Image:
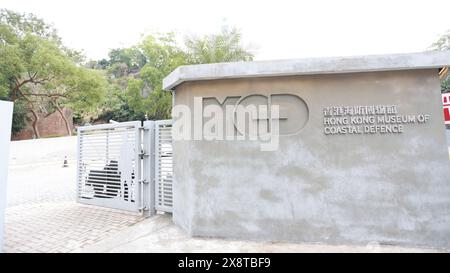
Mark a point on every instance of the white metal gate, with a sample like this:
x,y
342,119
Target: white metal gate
x,y
109,165
163,165
126,166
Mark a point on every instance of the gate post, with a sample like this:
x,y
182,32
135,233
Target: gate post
x,y
148,174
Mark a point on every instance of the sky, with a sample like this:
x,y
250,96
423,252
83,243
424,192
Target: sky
x,y
277,29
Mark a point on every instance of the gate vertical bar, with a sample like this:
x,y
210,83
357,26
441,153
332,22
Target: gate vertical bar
x,y
78,190
137,187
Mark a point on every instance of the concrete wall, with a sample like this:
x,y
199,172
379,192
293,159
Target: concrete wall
x,y
389,188
6,109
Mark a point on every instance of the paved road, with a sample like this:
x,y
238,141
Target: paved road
x,y
41,214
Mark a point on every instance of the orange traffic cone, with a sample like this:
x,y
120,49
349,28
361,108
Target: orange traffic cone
x,y
65,164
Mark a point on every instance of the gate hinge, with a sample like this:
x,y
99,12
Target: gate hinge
x,y
143,181
142,154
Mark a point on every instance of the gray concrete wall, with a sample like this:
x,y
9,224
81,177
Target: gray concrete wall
x,y
392,188
6,109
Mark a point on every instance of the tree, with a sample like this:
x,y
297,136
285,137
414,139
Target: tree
x,y
14,25
36,70
163,56
223,47
132,57
66,91
27,64
137,72
443,43
137,75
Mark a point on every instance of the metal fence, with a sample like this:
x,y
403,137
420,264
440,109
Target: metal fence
x,y
126,166
163,165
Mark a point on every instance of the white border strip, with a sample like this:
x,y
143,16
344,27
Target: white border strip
x,y
6,110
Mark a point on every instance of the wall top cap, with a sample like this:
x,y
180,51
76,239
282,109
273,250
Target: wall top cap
x,y
309,66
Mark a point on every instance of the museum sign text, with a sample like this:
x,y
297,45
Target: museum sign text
x,y
369,119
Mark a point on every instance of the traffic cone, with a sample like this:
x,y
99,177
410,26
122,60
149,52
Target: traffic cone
x,y
65,164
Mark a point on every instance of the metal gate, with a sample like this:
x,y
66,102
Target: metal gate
x,y
163,165
109,165
126,166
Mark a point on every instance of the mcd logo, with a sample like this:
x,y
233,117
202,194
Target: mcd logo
x,y
255,117
256,114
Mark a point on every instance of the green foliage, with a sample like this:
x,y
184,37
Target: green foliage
x,y
14,25
445,85
163,56
133,95
443,43
19,117
137,72
115,106
132,57
223,47
123,61
37,71
84,89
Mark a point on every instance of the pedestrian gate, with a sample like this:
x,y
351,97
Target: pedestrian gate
x,y
126,166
